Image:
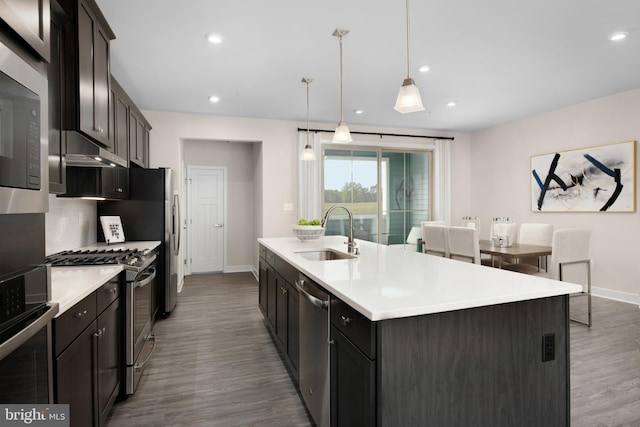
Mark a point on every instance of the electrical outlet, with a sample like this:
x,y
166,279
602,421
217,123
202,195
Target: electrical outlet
x,y
548,347
288,206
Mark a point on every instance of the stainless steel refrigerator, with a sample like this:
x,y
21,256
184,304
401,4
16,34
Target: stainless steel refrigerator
x,y
152,213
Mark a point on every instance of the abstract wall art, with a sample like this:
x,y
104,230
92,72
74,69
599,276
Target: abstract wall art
x,y
593,179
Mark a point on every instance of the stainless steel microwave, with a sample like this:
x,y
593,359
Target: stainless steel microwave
x,y
24,179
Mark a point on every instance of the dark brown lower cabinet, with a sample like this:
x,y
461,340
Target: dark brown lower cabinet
x,y
88,365
262,284
109,352
74,379
278,301
293,340
353,387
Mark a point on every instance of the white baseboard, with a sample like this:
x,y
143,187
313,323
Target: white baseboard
x,y
616,295
238,269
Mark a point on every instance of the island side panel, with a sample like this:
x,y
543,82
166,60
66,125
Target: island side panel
x,y
480,367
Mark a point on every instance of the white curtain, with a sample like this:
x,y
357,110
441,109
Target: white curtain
x,y
442,181
309,185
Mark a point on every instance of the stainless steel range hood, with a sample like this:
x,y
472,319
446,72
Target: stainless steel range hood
x,y
81,151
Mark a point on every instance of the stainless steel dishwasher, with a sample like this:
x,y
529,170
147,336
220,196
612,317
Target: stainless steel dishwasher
x,y
314,350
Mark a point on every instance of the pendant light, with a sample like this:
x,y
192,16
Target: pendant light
x,y
342,134
307,153
408,100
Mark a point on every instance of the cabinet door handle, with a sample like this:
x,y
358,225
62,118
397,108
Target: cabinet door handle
x,y
284,291
345,320
112,290
80,314
98,129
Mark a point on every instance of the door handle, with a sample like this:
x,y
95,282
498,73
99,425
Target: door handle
x,y
217,225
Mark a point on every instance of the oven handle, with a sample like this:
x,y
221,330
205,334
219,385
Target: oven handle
x,y
144,282
150,337
27,333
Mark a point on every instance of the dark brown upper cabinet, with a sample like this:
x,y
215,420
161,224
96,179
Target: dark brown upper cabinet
x,y
138,138
120,112
29,20
89,82
56,74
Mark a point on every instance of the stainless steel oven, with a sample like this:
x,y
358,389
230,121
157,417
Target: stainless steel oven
x,y
140,342
23,136
25,337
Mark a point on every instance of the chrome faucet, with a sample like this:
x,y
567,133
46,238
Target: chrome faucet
x,y
351,243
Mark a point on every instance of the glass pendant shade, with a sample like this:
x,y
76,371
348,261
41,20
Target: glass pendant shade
x,y
308,154
409,100
342,134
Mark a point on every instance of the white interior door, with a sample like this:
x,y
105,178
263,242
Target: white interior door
x,y
207,218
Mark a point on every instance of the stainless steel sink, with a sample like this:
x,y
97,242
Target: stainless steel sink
x,y
324,255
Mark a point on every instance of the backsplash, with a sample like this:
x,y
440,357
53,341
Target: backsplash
x,y
69,224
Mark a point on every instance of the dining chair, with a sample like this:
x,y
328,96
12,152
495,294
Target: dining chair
x,y
569,262
535,234
435,239
464,245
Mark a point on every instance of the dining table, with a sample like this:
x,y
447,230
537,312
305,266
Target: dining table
x,y
513,252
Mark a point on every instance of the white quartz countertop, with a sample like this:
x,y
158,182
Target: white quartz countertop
x,y
386,282
69,285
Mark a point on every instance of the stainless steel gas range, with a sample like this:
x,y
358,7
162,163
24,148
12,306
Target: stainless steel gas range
x,y
140,276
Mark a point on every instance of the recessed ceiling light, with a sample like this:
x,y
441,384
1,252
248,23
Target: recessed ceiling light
x,y
214,38
424,68
452,104
358,111
619,36
214,99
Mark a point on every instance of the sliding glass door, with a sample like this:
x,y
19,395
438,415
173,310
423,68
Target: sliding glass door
x,y
405,185
387,191
351,179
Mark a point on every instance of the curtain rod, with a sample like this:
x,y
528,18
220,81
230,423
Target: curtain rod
x,y
450,138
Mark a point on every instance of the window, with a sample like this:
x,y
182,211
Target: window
x,y
387,191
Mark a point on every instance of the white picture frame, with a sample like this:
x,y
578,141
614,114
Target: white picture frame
x,y
112,229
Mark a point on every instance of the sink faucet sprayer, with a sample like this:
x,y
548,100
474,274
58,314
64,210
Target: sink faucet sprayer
x,y
351,243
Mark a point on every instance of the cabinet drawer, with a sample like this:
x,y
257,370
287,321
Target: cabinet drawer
x,y
270,257
286,270
357,328
73,321
108,293
262,251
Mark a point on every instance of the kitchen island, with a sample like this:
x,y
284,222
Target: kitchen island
x,y
422,340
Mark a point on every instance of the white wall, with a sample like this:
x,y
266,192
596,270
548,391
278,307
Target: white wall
x,y
69,224
500,181
238,158
276,159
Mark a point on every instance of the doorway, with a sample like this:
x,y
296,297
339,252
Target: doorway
x,y
241,160
207,218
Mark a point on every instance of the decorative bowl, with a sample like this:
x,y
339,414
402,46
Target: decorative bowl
x,y
308,232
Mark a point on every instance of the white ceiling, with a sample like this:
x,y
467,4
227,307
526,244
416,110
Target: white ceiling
x,y
501,60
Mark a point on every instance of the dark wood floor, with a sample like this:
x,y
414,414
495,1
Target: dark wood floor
x,y
215,364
